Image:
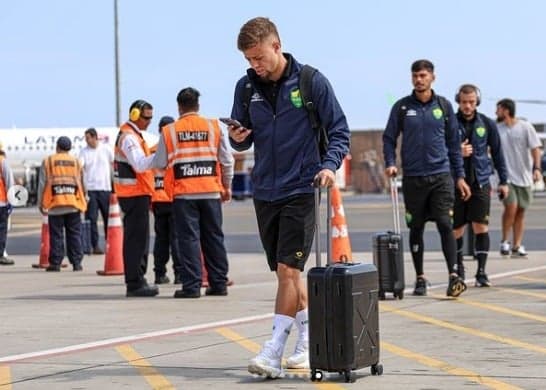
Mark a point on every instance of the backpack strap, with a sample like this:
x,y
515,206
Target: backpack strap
x,y
247,96
306,92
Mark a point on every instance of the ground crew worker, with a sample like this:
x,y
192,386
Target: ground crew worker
x,y
164,227
61,195
134,185
202,168
6,181
479,137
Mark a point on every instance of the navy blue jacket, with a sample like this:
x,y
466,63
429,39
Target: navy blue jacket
x,y
484,136
286,154
429,147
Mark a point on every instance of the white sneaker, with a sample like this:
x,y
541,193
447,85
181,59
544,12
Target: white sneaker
x,y
267,363
300,357
519,253
505,248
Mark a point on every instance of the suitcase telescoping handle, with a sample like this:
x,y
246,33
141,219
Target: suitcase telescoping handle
x,y
395,205
328,225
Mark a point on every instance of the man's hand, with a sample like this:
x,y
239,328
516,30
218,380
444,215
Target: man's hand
x,y
226,195
464,189
537,175
238,134
466,148
391,171
503,191
325,178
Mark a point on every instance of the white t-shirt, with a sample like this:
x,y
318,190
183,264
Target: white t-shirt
x,y
517,143
97,167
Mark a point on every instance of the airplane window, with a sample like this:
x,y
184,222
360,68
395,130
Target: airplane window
x,y
30,148
17,148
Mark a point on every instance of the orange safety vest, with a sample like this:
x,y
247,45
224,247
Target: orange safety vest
x,y
3,190
192,146
63,183
128,182
163,191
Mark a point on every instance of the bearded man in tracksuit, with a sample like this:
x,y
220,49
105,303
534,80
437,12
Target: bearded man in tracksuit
x,y
430,152
287,161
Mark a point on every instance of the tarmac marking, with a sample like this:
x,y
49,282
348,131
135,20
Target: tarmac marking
x,y
521,292
255,348
152,376
528,279
385,308
491,307
5,378
452,370
133,338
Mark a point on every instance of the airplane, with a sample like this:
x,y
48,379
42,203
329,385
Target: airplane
x,y
26,148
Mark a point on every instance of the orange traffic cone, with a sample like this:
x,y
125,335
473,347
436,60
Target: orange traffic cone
x,y
113,257
341,245
44,245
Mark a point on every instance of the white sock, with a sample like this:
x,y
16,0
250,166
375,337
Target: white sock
x,y
281,329
302,323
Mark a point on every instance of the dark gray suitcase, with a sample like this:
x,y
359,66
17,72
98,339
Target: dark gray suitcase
x,y
85,234
388,254
343,313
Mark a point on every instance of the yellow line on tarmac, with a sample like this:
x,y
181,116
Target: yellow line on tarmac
x,y
152,376
498,309
5,378
521,292
528,279
385,308
253,347
452,370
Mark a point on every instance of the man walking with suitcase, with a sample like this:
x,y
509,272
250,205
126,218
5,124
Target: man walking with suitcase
x,y
430,152
287,160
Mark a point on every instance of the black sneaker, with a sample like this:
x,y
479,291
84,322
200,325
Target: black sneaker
x,y
420,287
456,286
482,280
187,294
163,279
53,268
143,291
216,291
77,267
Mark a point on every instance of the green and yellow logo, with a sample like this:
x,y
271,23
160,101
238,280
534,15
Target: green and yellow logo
x,y
295,98
480,131
409,217
299,255
438,113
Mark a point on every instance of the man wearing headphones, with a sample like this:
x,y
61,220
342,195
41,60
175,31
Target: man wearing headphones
x,y
134,185
479,136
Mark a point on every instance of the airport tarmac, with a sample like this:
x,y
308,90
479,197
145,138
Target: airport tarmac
x,y
77,330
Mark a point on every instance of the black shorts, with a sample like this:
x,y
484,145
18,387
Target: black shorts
x,y
475,209
427,198
286,229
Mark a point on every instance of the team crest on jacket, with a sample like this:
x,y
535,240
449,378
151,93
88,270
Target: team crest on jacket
x,y
480,131
295,98
437,112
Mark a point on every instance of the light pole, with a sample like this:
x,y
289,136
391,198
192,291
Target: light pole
x,y
116,64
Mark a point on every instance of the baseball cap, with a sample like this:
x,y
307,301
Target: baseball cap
x,y
164,121
64,143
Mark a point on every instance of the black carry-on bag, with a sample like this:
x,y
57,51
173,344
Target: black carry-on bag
x,y
343,312
388,253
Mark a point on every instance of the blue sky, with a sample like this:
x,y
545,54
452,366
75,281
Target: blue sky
x,y
57,62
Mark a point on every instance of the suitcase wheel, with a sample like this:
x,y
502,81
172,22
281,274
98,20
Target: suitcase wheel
x,y
349,376
377,369
316,375
381,295
399,294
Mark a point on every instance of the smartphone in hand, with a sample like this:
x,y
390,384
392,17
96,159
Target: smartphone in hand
x,y
231,122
